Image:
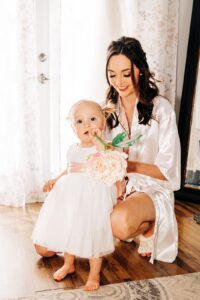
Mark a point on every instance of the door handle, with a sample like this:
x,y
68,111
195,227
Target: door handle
x,y
42,57
43,78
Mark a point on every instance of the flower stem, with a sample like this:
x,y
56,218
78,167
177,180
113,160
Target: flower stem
x,y
106,145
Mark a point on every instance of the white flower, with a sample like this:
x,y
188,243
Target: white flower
x,y
108,166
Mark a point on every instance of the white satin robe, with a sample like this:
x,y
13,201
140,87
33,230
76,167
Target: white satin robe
x,y
160,146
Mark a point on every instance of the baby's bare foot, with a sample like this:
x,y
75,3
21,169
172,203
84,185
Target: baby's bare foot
x,y
92,283
63,272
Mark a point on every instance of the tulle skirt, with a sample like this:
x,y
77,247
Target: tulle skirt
x,y
75,217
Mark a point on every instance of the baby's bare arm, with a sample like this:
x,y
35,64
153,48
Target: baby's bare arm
x,y
50,183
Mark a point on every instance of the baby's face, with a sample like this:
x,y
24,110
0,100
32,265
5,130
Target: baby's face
x,y
86,118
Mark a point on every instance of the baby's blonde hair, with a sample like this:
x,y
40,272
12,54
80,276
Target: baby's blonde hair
x,y
80,102
106,110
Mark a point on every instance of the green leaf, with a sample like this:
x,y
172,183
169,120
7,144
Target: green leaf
x,y
119,138
129,143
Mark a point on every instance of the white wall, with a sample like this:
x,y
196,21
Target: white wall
x,y
184,29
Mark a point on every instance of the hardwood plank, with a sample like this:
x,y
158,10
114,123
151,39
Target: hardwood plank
x,y
22,271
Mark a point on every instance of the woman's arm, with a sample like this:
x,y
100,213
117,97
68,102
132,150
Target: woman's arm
x,y
145,169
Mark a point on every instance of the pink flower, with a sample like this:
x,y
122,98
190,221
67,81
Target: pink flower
x,y
108,166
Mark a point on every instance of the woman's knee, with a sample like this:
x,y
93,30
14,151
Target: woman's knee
x,y
120,225
43,251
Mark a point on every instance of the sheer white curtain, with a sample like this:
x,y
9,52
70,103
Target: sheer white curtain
x,y
86,33
86,28
157,30
20,152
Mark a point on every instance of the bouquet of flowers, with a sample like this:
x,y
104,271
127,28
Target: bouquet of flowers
x,y
109,165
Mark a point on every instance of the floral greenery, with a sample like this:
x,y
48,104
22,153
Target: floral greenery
x,y
118,141
109,166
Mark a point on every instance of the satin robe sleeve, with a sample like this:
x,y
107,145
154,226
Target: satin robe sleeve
x,y
168,156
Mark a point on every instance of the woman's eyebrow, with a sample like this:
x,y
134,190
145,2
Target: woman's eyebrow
x,y
128,69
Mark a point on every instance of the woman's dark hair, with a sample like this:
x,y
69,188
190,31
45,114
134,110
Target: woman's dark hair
x,y
147,87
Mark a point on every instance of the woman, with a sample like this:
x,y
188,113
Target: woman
x,y
154,162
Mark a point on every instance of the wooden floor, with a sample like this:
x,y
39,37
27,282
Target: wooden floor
x,y
22,271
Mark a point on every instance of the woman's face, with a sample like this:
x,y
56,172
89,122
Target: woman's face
x,y
119,75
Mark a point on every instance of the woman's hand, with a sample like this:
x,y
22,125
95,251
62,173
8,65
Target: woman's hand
x,y
49,185
75,167
121,189
145,169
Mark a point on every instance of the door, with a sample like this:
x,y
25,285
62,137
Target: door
x,y
48,69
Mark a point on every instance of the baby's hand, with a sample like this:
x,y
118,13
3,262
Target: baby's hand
x,y
95,131
94,134
49,185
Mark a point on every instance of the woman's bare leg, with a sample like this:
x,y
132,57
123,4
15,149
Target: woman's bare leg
x,y
134,216
43,251
66,269
93,280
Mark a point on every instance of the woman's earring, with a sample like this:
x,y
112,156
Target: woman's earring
x,y
141,74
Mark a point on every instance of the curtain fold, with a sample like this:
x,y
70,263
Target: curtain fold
x,y
157,30
21,173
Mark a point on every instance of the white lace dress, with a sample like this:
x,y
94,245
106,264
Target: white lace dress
x,y
75,217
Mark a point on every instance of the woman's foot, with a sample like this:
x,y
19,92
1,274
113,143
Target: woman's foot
x,y
146,245
92,283
146,241
61,273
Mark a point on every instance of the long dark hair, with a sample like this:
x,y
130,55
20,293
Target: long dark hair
x,y
147,87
